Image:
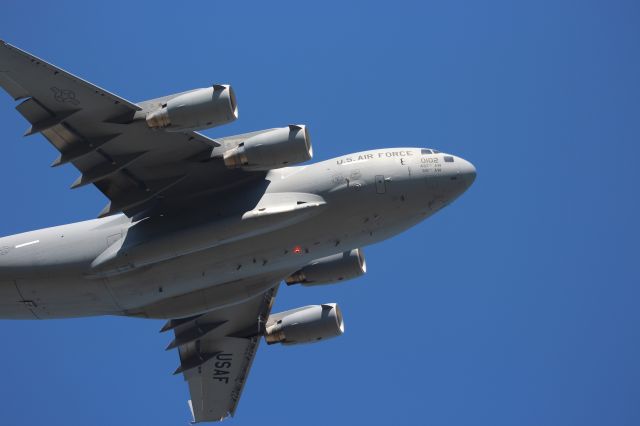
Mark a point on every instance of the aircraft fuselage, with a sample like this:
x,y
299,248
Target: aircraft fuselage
x,y
224,251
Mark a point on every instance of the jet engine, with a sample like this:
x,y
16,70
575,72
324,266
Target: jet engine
x,y
305,325
271,149
195,110
327,270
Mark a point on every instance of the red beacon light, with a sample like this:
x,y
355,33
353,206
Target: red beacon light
x,y
297,250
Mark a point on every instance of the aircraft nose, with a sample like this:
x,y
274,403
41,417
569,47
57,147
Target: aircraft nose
x,y
467,172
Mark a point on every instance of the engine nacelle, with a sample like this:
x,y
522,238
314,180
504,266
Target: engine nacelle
x,y
196,110
305,325
327,270
272,149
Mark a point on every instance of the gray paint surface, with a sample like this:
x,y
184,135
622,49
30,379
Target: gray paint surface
x,y
196,242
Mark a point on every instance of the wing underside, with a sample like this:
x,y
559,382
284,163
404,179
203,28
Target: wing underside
x,y
216,352
107,139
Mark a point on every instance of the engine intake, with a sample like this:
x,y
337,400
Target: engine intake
x,y
196,110
272,149
327,270
305,325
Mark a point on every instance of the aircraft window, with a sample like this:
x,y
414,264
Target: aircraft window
x,y
425,151
448,159
436,152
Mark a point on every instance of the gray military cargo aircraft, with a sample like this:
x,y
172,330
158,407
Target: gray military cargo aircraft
x,y
201,232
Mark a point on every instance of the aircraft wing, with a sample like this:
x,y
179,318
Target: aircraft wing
x,y
107,139
216,352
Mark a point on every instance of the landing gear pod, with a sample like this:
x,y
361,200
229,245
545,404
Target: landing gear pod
x,y
305,325
331,269
272,149
196,110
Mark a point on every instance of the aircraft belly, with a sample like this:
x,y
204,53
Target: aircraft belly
x,y
213,277
217,277
208,299
66,297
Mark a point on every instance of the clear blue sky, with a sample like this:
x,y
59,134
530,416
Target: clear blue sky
x,y
516,305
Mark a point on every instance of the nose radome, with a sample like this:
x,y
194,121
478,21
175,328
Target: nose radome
x,y
467,171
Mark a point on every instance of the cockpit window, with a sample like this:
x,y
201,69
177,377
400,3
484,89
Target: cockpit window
x,y
436,152
425,151
448,159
